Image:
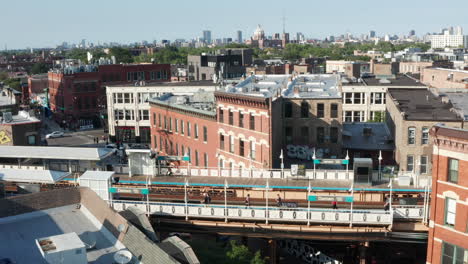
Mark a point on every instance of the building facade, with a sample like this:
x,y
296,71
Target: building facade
x,y
128,107
410,115
448,225
77,95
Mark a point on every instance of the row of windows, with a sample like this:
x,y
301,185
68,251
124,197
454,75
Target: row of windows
x,y
120,114
412,135
241,119
140,75
179,126
86,103
170,148
423,161
305,110
242,148
85,87
321,136
452,254
127,98
359,116
360,98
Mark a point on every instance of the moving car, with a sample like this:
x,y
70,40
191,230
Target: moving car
x,y
55,134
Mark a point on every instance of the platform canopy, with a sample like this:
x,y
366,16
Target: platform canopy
x,y
59,153
32,176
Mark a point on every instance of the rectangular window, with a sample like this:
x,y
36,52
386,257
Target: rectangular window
x,y
357,116
231,118
119,98
348,98
334,110
241,148
241,119
453,170
334,134
253,154
205,134
144,114
348,116
154,119
450,211
170,123
205,158
176,125
159,119
155,139
196,158
231,144
288,133
304,109
195,128
252,122
221,116
126,98
423,165
425,135
182,127
188,129
320,110
221,142
358,98
411,135
320,135
32,140
165,122
452,254
287,110
409,163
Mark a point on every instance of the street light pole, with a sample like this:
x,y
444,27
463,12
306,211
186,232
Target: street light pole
x,y
225,201
352,204
282,163
267,186
309,189
380,166
186,199
313,158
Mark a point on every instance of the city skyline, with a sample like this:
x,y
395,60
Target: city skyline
x,y
46,25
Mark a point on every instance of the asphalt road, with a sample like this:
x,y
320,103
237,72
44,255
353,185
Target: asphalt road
x,y
79,138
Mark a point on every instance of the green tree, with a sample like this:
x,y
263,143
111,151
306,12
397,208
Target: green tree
x,y
240,254
39,67
121,55
13,83
77,54
3,76
257,259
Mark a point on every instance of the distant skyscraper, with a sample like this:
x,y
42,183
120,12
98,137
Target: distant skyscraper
x,y
372,34
299,37
239,36
412,33
83,43
207,36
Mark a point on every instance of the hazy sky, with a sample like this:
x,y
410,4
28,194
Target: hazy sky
x,y
40,23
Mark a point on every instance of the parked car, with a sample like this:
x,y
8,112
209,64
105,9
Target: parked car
x,y
55,134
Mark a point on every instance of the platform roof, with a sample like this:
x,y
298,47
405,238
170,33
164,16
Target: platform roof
x,y
32,176
97,175
60,153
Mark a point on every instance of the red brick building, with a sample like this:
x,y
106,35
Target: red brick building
x,y
448,233
185,125
77,95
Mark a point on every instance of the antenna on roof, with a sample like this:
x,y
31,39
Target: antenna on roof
x,y
284,22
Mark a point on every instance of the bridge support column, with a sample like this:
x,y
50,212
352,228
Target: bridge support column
x,y
363,248
272,248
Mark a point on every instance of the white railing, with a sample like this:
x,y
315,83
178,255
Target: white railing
x,y
261,173
22,167
367,217
408,212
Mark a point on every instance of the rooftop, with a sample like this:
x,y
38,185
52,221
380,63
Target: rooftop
x,y
60,153
291,86
31,175
21,232
201,101
400,80
459,101
169,84
23,117
422,105
367,136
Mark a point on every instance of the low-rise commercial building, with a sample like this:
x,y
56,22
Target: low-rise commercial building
x,y
444,78
19,130
448,237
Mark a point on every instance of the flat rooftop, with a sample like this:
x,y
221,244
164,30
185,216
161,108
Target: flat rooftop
x,y
59,153
459,101
18,234
367,136
169,84
22,117
201,101
422,105
400,80
290,86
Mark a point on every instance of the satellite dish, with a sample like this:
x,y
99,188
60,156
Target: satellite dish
x,y
123,256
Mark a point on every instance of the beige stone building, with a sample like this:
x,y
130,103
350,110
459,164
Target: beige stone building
x,y
414,67
444,78
410,115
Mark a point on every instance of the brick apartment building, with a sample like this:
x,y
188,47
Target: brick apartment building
x,y
444,78
410,115
250,123
448,225
77,95
185,125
